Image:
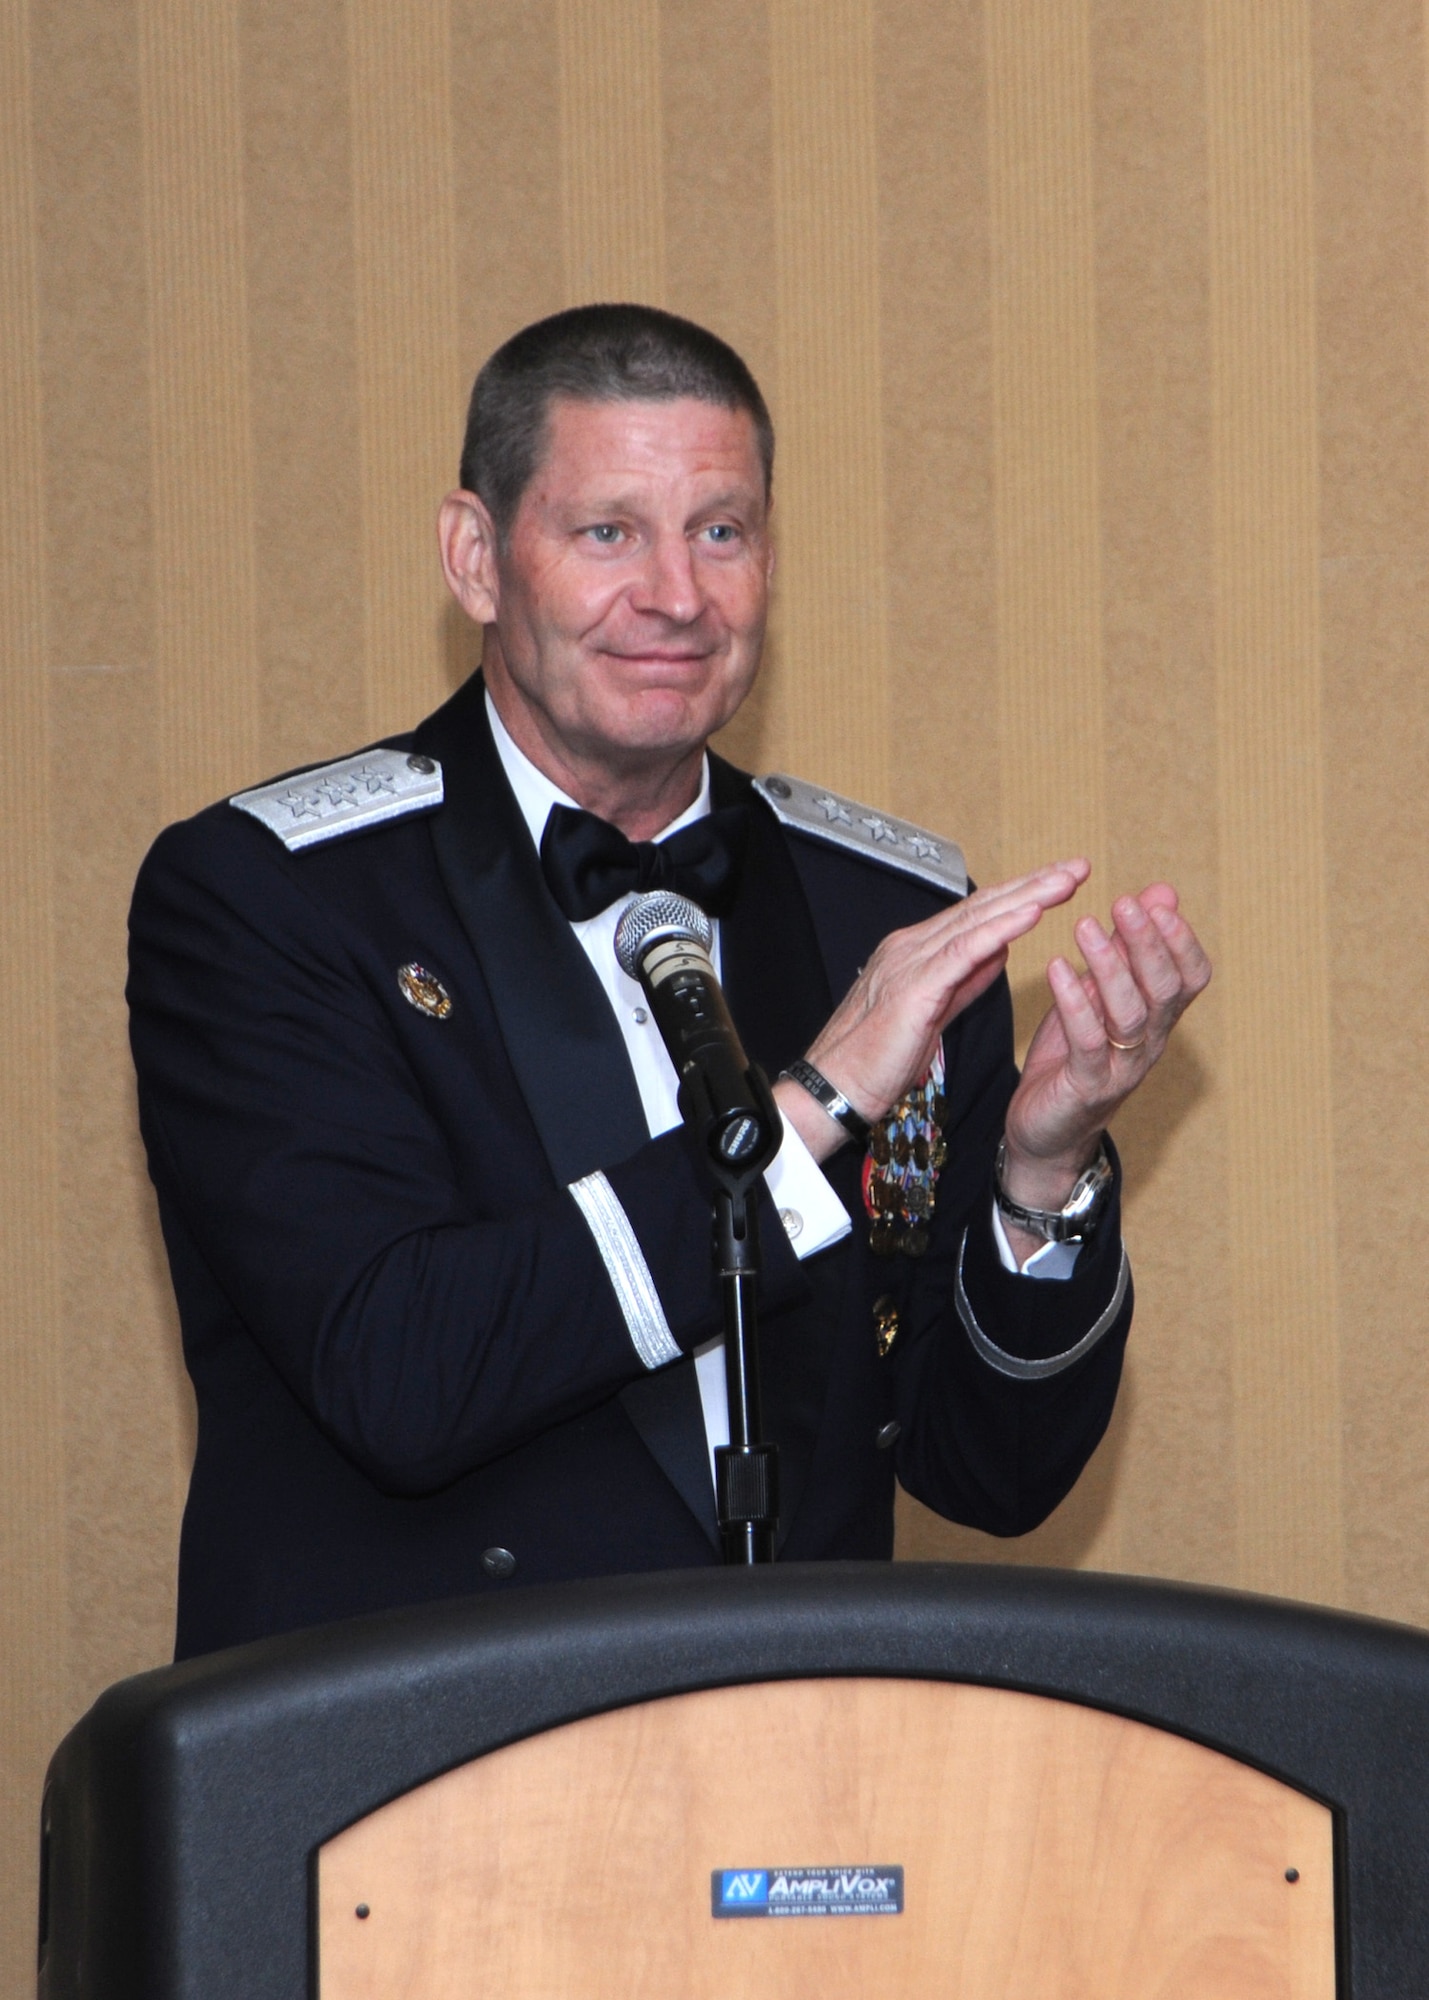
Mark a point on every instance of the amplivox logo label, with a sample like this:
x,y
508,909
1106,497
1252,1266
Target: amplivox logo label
x,y
806,1892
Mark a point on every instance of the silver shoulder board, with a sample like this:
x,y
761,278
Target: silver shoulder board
x,y
344,797
861,830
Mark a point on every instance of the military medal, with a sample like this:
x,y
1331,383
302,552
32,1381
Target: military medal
x,y
900,1173
424,991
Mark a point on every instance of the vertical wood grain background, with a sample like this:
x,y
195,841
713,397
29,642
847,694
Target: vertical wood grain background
x,y
1096,334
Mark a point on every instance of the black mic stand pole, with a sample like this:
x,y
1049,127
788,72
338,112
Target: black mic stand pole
x,y
747,1468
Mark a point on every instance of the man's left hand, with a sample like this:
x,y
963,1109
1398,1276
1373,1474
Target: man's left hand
x,y
1103,1033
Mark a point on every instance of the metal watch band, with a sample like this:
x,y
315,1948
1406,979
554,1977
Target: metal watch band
x,y
1072,1223
833,1101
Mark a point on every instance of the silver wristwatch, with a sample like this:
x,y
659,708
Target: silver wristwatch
x,y
1072,1223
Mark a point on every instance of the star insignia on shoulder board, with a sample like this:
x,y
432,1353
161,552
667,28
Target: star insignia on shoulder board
x,y
375,779
302,805
861,830
345,797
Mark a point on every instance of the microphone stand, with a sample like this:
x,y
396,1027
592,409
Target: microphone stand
x,y
747,1468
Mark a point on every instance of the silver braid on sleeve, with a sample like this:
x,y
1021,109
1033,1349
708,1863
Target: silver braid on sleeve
x,y
625,1266
1053,1364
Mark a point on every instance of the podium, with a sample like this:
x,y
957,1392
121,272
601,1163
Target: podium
x,y
831,1780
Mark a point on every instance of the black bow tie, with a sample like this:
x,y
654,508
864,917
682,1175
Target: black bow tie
x,y
589,864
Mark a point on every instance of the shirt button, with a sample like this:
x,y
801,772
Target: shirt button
x,y
888,1434
793,1222
498,1562
641,1016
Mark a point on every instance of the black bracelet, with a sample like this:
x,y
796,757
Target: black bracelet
x,y
833,1100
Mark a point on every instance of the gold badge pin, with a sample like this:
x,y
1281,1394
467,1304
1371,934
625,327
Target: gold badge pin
x,y
885,1323
424,991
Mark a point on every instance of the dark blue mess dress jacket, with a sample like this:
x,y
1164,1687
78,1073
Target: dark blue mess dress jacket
x,y
405,1346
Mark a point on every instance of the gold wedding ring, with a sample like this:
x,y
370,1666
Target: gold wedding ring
x,y
1126,1047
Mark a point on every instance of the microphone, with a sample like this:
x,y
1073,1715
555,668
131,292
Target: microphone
x,y
663,940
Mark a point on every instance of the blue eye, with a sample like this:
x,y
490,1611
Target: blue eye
x,y
722,531
604,532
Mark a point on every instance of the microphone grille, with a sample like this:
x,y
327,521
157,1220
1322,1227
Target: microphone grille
x,y
658,913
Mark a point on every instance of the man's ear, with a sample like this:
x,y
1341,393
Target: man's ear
x,y
466,535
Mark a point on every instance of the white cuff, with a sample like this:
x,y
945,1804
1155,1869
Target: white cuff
x,y
1053,1260
812,1214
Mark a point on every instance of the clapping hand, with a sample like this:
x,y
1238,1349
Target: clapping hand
x,y
1105,1029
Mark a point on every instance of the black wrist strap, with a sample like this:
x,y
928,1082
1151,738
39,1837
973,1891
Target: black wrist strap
x,y
833,1100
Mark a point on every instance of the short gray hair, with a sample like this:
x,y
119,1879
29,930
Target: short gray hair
x,y
593,354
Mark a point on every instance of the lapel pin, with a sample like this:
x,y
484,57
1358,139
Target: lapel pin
x,y
885,1329
424,991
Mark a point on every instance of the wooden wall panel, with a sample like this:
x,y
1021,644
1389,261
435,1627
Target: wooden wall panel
x,y
1372,382
1159,736
720,235
1270,801
1040,138
127,1406
612,150
126,1403
506,123
201,441
306,429
1046,514
409,376
827,703
506,126
1096,337
718,160
935,347
33,1568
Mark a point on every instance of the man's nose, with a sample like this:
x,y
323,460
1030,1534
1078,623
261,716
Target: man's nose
x,y
668,584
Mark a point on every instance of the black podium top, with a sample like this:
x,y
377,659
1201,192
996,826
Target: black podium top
x,y
183,1813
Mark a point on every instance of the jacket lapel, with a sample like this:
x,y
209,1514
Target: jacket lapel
x,y
560,1034
771,966
665,1408
563,1041
774,978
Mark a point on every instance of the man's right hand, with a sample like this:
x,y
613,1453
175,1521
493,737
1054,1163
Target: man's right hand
x,y
881,1037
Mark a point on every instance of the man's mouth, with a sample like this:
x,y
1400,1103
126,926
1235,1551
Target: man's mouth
x,y
676,656
663,662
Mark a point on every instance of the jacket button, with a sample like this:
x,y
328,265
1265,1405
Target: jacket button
x,y
888,1434
498,1562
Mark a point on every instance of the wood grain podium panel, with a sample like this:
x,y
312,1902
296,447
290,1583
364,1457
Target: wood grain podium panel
x,y
1050,1851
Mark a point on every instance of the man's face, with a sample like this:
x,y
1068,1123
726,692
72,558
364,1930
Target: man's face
x,y
631,596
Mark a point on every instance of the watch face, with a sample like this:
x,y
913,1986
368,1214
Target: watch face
x,y
1083,1197
1089,1195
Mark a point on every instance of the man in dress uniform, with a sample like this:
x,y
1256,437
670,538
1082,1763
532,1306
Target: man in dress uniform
x,y
440,1241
